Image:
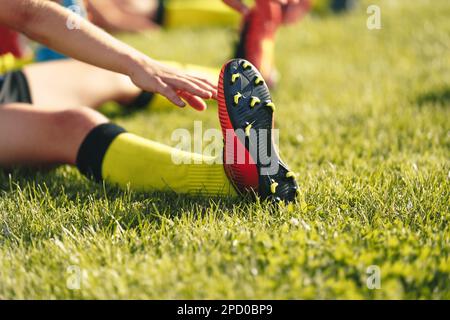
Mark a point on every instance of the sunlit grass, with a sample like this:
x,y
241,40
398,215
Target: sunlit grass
x,y
364,121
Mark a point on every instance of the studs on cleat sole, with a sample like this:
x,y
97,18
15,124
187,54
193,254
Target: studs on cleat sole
x,y
271,105
234,77
254,101
237,98
247,130
290,174
273,187
246,65
258,80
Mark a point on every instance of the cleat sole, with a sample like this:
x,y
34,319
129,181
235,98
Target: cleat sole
x,y
251,176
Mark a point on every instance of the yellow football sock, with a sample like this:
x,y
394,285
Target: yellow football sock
x,y
198,13
109,153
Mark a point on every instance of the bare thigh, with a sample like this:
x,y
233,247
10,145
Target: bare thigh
x,y
70,83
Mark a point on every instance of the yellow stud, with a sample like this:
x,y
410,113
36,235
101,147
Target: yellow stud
x,y
247,130
271,105
273,187
290,174
234,77
254,101
259,80
237,97
246,65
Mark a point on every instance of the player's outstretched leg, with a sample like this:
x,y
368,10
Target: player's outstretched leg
x,y
37,135
110,153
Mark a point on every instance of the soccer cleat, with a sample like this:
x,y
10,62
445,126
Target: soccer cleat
x,y
251,161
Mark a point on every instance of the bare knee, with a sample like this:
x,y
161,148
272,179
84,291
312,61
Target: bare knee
x,y
73,125
82,119
37,135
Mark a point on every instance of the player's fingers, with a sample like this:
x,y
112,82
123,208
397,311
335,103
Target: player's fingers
x,y
205,84
195,102
206,81
169,93
183,84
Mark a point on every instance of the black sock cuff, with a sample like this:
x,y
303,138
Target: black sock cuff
x,y
160,13
15,88
93,149
141,101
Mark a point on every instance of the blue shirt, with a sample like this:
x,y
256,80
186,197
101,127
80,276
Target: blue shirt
x,y
46,54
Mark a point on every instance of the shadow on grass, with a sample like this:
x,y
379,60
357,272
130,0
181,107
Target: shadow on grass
x,y
65,187
115,111
440,97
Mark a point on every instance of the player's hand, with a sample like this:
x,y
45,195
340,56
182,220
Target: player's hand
x,y
153,76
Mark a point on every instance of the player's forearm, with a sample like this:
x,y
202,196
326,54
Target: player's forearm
x,y
73,36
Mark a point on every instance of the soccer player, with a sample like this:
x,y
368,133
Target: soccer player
x,y
36,129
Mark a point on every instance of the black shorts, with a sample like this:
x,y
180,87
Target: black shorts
x,y
14,88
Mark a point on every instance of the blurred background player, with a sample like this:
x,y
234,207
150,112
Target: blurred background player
x,y
259,29
259,23
133,15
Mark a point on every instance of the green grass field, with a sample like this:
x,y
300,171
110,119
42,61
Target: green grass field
x,y
364,119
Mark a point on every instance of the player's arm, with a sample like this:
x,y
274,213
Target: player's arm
x,y
62,30
110,16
